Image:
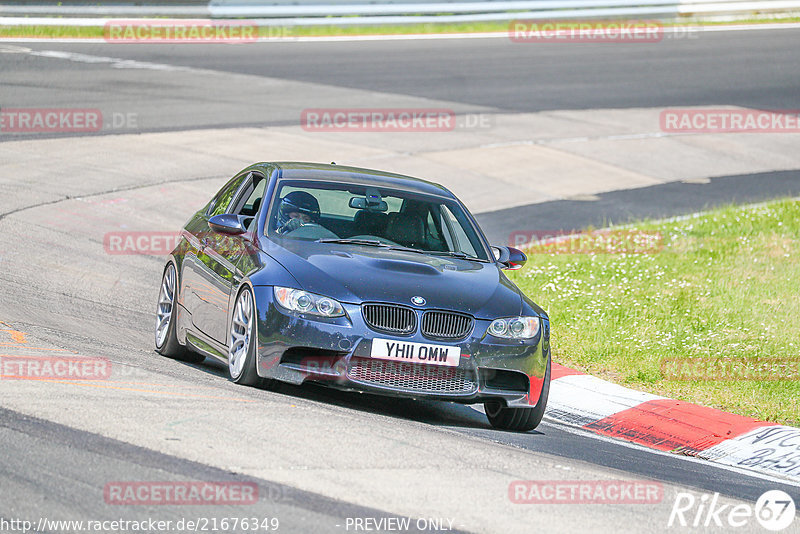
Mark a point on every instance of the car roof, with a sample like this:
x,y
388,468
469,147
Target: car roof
x,y
293,170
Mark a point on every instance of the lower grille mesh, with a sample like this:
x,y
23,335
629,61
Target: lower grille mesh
x,y
412,377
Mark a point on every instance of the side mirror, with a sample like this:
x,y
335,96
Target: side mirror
x,y
511,258
226,223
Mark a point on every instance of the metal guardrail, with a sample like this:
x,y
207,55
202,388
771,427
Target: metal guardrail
x,y
320,12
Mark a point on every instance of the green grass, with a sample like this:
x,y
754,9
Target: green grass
x,y
55,32
96,32
725,287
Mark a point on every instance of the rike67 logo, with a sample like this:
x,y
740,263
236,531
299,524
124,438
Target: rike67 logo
x,y
774,511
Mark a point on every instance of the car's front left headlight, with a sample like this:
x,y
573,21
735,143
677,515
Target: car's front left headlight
x,y
515,327
301,301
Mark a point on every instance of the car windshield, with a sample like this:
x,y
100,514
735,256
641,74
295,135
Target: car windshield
x,y
375,217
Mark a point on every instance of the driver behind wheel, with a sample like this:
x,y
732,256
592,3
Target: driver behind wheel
x,y
297,209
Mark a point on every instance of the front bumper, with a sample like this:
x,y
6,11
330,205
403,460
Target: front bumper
x,y
297,348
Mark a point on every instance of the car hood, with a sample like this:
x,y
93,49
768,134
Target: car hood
x,y
356,274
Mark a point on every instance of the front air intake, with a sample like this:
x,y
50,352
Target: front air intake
x,y
390,318
446,325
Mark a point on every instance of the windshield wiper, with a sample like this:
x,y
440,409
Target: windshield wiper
x,y
371,243
407,249
376,243
455,254
366,242
452,254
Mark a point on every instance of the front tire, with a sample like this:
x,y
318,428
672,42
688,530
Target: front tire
x,y
166,318
242,349
519,419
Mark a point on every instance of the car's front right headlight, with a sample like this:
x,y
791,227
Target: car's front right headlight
x,y
300,301
515,327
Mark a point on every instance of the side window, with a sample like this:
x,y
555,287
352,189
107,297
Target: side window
x,y
249,199
253,203
462,241
224,197
446,233
433,231
394,204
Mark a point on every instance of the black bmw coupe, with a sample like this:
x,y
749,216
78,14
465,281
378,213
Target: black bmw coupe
x,y
358,279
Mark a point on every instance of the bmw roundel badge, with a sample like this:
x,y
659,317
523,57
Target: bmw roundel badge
x,y
418,301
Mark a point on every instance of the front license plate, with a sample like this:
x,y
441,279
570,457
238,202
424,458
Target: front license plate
x,y
405,351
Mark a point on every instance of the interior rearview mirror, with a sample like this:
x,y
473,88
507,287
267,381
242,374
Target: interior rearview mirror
x,y
360,203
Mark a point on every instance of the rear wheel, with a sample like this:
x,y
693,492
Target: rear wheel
x,y
166,319
242,350
519,419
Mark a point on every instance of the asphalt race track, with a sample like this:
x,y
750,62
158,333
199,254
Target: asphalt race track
x,y
757,69
192,115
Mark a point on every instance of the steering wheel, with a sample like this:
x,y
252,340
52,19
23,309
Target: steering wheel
x,y
312,231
